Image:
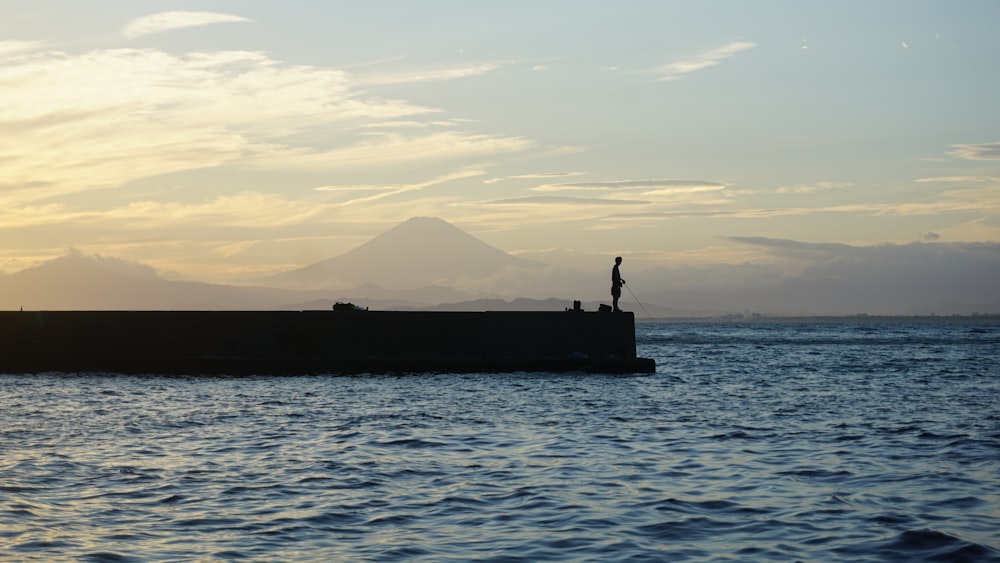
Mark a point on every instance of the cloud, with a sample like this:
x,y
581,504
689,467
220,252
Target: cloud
x,y
560,200
914,252
245,209
661,186
980,198
960,180
235,249
796,247
169,21
413,124
680,69
983,151
977,200
11,47
386,190
97,120
377,150
427,75
536,176
812,188
242,209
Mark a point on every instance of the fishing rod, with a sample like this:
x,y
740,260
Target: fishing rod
x,y
639,302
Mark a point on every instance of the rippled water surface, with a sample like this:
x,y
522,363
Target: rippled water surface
x,y
752,442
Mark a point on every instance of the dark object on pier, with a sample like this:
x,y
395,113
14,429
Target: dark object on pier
x,y
301,342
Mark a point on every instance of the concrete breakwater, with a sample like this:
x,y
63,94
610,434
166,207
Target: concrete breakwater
x,y
295,342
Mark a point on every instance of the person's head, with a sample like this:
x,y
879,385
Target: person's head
x,y
618,259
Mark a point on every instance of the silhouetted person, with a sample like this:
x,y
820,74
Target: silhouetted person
x,y
616,284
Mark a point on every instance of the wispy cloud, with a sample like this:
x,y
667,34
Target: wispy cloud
x,y
11,47
812,188
983,151
427,75
680,69
169,21
377,150
536,176
234,249
243,209
960,180
413,124
661,186
386,190
561,200
979,200
100,119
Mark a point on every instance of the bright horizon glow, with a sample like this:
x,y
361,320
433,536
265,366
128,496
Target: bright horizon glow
x,y
672,133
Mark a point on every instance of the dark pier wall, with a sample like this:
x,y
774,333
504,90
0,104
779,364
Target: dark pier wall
x,y
316,341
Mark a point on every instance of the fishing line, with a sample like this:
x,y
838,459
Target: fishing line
x,y
639,302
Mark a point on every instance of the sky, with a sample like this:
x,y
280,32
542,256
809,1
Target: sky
x,y
224,141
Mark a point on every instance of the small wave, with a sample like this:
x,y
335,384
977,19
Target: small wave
x,y
927,545
816,474
409,443
108,557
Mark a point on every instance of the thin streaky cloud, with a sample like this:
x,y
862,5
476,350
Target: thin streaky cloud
x,y
387,190
12,47
380,150
376,62
546,175
812,188
680,69
964,201
244,209
429,75
410,124
536,176
959,180
560,200
360,188
786,244
981,151
169,21
674,185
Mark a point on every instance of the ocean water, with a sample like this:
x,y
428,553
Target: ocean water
x,y
848,441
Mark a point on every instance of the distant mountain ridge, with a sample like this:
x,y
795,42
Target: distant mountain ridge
x,y
422,251
92,282
81,282
413,265
425,263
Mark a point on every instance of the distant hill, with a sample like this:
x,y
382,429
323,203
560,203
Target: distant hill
x,y
81,282
422,251
91,282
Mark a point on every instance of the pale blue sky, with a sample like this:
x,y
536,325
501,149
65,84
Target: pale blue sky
x,y
225,140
